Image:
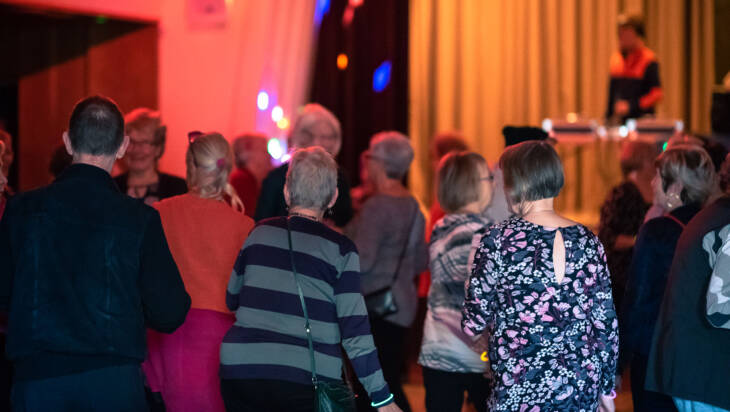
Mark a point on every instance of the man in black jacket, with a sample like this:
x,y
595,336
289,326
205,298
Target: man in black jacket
x,y
85,269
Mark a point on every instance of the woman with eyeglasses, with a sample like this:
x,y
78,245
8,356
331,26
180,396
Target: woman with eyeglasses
x,y
143,180
389,234
451,360
204,234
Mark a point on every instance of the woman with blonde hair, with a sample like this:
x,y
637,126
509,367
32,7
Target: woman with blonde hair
x,y
684,182
205,234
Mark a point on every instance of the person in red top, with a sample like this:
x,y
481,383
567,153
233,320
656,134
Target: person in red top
x,y
253,163
204,234
635,88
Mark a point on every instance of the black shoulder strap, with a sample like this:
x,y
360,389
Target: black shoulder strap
x,y
307,328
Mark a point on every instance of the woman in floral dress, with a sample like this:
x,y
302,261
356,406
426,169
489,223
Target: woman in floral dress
x,y
540,288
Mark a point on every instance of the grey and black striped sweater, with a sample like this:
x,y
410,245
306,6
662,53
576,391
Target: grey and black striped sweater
x,y
268,340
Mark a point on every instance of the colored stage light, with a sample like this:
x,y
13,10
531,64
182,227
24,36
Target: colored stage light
x,y
262,100
277,113
274,148
381,77
664,146
283,123
342,61
320,9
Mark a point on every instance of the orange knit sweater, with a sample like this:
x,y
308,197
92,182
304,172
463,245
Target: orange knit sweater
x,y
204,236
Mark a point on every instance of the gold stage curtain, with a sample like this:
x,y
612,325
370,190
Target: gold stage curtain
x,y
477,65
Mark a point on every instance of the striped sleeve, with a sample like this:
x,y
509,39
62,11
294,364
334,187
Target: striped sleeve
x,y
355,329
235,283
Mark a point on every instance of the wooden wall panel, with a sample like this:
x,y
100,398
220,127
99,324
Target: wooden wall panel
x,y
116,59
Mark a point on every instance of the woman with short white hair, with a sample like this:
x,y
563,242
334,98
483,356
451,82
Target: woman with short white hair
x,y
315,126
295,271
389,234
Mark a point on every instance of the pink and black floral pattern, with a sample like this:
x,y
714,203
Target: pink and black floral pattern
x,y
553,346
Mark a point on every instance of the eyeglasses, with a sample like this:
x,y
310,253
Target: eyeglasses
x,y
145,143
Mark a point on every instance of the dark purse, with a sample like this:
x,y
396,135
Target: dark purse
x,y
328,396
381,303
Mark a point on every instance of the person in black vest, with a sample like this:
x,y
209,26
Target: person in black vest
x,y
85,270
635,88
690,359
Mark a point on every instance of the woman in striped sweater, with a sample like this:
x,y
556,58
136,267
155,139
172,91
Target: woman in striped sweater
x,y
451,360
265,362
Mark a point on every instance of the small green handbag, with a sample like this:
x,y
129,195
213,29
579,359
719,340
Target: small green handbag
x,y
329,396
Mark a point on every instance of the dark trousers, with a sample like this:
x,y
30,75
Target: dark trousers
x,y
259,395
445,390
644,400
389,339
113,389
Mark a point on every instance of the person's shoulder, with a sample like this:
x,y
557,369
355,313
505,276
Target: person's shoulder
x,y
23,202
121,179
648,54
616,63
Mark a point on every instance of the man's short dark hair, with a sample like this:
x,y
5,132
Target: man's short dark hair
x,y
96,126
634,22
532,171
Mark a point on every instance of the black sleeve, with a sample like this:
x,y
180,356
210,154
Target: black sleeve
x,y
268,197
639,277
343,205
164,299
651,77
7,265
611,98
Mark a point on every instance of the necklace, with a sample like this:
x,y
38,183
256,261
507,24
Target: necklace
x,y
304,215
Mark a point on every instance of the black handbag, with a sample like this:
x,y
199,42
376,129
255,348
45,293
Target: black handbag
x,y
381,302
329,396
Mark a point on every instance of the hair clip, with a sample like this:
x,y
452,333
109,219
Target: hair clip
x,y
221,163
194,135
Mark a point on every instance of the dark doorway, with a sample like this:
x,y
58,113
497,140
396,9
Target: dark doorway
x,y
50,61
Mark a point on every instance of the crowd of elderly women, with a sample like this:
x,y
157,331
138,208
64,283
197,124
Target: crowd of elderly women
x,y
520,313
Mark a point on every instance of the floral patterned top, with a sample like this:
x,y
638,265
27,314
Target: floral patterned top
x,y
553,346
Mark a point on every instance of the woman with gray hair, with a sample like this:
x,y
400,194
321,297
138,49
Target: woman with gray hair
x,y
540,289
295,280
315,126
684,182
389,234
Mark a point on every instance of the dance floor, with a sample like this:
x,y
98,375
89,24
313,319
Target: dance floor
x,y
417,395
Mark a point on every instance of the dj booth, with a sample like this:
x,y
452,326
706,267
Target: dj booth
x,y
590,153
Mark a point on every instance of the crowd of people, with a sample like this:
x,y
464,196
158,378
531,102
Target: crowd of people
x,y
148,291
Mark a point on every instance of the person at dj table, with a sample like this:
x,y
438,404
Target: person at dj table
x,y
635,88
